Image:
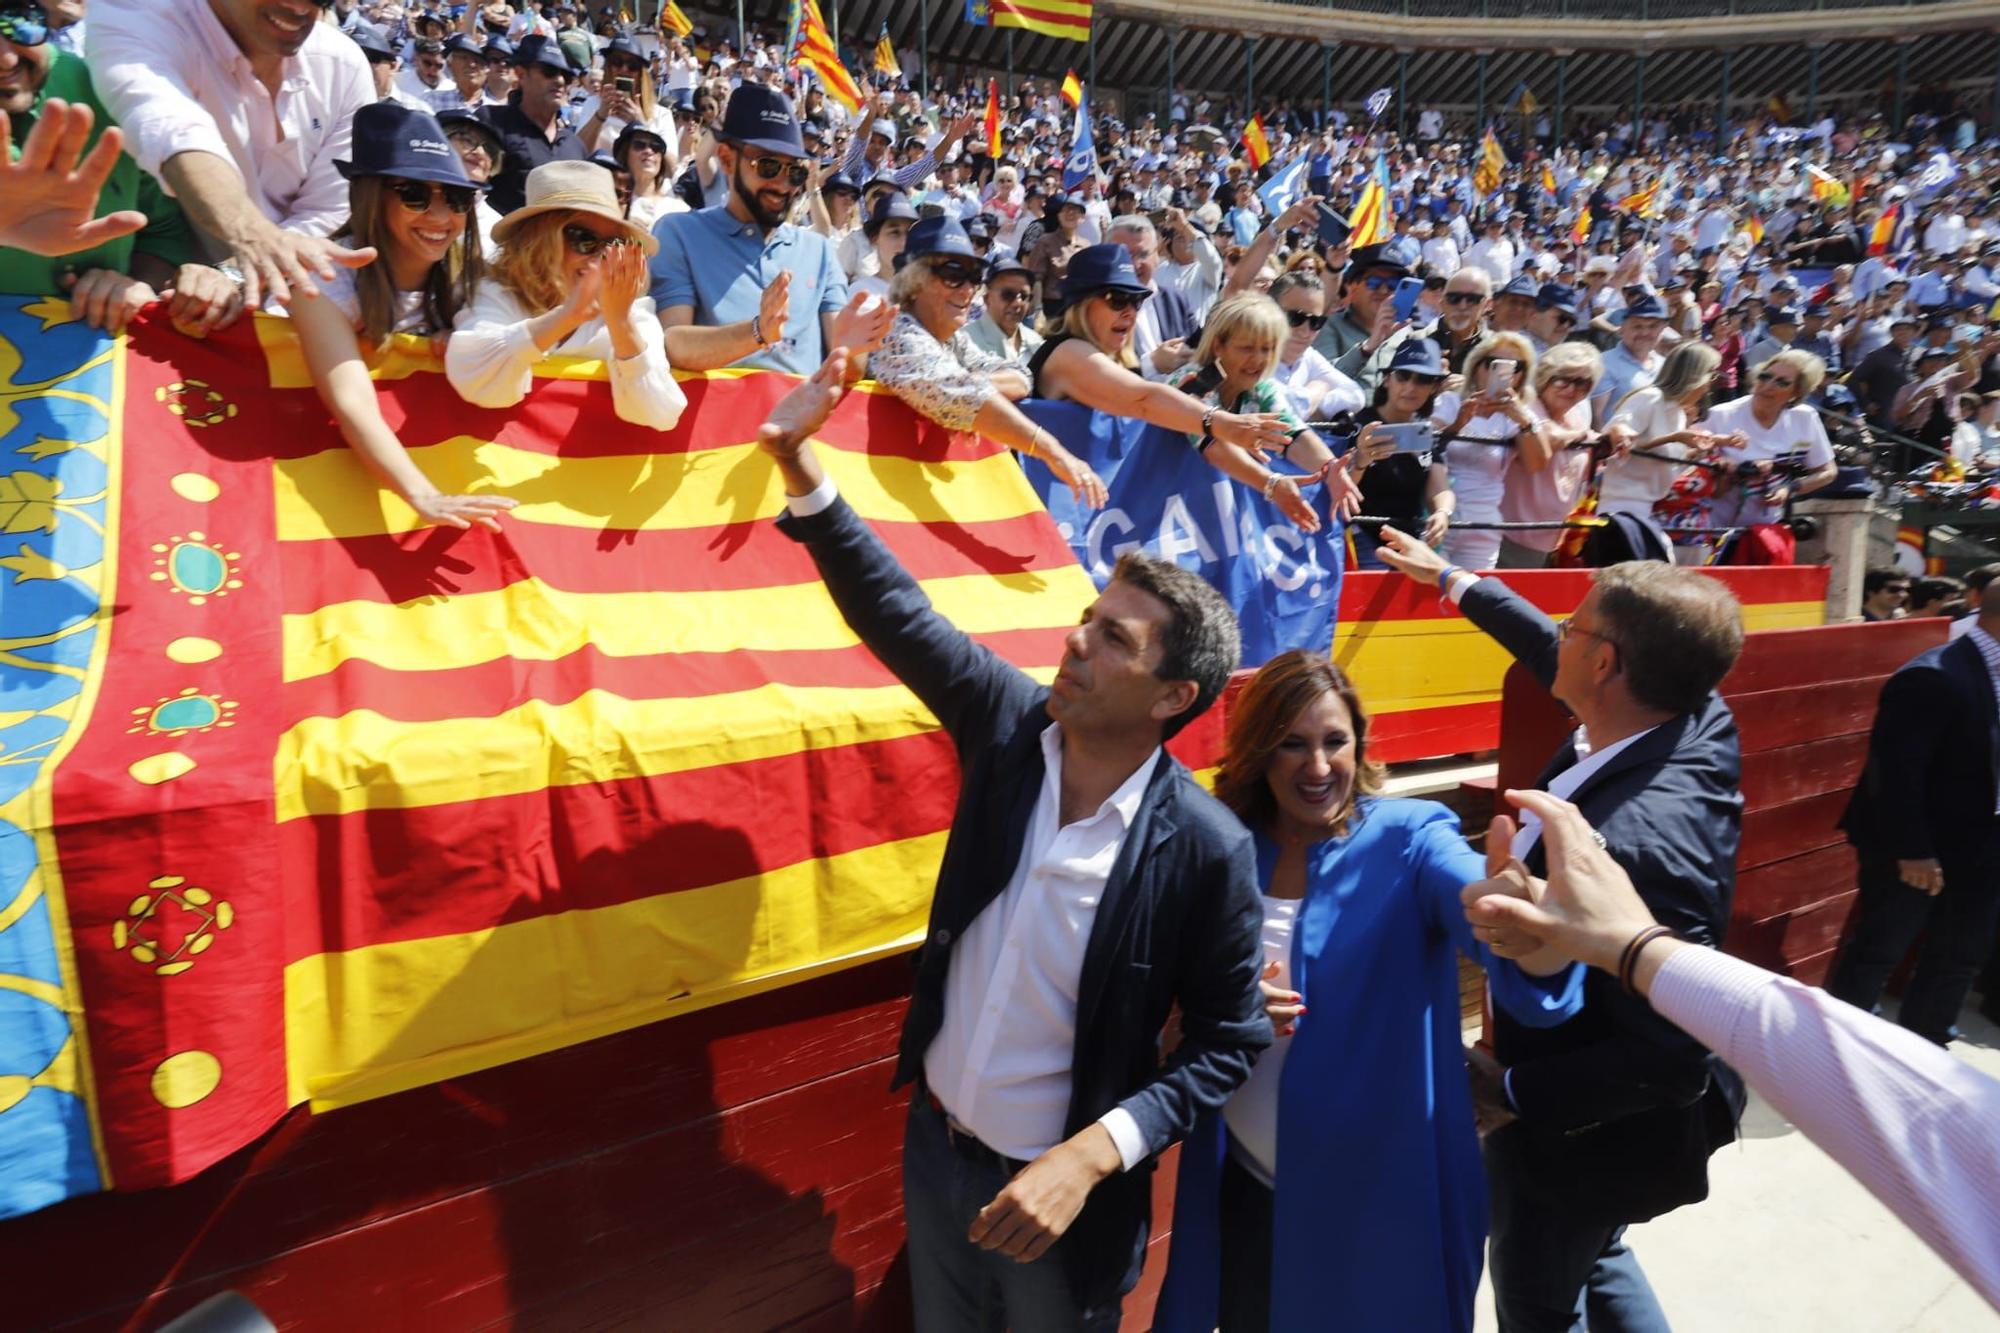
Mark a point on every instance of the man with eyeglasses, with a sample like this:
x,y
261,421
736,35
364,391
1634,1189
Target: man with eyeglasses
x,y
498,53
1368,325
1609,1118
1462,327
531,127
424,78
1161,337
737,284
239,107
1003,329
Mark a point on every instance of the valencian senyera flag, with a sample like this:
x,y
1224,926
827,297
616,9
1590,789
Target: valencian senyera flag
x,y
303,802
812,48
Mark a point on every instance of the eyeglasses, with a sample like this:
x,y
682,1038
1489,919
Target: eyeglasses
x,y
25,26
956,275
1579,382
1415,377
1300,319
1767,377
1011,295
1561,318
1463,298
770,168
417,196
1123,301
583,242
1565,628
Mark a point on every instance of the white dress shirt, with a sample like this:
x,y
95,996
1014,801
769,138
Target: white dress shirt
x,y
174,79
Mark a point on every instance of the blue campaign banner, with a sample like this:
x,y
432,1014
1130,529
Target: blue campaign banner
x,y
1169,501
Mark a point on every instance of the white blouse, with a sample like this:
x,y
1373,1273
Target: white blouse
x,y
491,358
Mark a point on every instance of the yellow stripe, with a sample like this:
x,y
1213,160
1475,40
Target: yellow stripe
x,y
331,494
405,355
377,1020
1080,8
532,621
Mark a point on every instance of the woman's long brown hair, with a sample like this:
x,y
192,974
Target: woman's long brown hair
x,y
449,286
1263,715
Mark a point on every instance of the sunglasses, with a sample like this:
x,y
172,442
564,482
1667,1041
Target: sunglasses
x,y
1300,319
1572,381
417,196
770,168
1463,298
956,275
1415,377
1123,301
1766,377
1011,295
583,242
25,26
1376,282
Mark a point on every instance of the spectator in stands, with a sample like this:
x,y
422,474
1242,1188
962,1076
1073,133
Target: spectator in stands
x,y
466,63
628,98
424,83
1781,330
1922,820
1659,422
1461,328
1884,592
1318,390
642,153
1633,363
1552,461
1160,338
1776,432
569,279
1234,368
109,283
259,185
1555,316
1478,428
383,65
501,76
480,153
411,202
1976,580
929,361
738,284
1274,1224
531,126
888,231
1193,265
1004,329
1398,478
1514,305
1089,360
1363,339
49,190
1061,241
1931,594
1877,380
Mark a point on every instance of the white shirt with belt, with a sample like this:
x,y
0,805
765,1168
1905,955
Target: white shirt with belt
x,y
173,78
1000,1063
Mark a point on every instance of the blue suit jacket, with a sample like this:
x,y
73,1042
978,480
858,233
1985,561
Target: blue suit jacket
x,y
1620,1108
1179,921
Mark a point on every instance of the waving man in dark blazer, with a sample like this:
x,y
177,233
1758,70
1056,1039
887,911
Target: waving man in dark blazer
x,y
1617,1109
1088,885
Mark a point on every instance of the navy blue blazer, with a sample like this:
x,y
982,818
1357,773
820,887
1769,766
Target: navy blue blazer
x,y
1620,1108
1180,920
1928,787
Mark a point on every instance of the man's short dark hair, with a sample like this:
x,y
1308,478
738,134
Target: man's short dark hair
x,y
429,46
1978,577
1934,588
1201,643
1881,577
1677,632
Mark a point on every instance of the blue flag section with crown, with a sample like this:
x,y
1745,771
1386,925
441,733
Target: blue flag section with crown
x,y
1284,583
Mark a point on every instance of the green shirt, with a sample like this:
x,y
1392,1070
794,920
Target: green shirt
x,y
166,235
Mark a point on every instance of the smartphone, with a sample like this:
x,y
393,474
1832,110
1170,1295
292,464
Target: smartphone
x,y
1412,437
624,84
1407,292
1500,376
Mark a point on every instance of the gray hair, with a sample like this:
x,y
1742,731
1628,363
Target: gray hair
x,y
909,280
1568,358
1138,224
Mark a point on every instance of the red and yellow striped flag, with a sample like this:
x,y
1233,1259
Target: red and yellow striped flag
x,y
993,118
814,49
1755,229
1883,233
1068,19
345,804
674,20
1548,178
1072,88
1492,163
1639,203
1372,222
1579,231
1256,146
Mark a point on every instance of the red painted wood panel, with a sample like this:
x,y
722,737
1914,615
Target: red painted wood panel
x,y
1771,890
1795,772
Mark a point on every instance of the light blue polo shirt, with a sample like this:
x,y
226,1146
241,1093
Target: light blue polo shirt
x,y
719,265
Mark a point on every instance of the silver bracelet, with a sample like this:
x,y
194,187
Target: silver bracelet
x,y
1271,484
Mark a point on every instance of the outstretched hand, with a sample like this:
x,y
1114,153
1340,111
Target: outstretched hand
x,y
804,410
1414,558
48,196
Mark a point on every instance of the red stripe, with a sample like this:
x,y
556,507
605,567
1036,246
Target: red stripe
x,y
504,683
402,567
445,870
1013,9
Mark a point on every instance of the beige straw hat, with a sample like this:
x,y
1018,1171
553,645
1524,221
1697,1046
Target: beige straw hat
x,y
573,187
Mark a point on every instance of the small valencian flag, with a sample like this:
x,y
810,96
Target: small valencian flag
x,y
885,56
675,20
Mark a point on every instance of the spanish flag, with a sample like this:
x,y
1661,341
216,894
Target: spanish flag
x,y
1072,88
993,118
1255,146
1579,231
814,49
1548,179
1068,19
675,21
316,802
885,55
1492,162
1883,233
1755,229
1372,221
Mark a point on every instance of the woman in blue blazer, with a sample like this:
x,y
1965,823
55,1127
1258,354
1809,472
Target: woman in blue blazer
x,y
1341,1187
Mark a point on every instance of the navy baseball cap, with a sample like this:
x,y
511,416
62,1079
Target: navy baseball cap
x,y
374,43
498,48
391,139
1558,296
544,51
1102,268
941,235
1646,307
1782,315
1419,356
761,117
890,207
1523,285
461,44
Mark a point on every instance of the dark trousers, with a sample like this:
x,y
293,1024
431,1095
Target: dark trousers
x,y
1245,1204
959,1287
1888,917
1550,1272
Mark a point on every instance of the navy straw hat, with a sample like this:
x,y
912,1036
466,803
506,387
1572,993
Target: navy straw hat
x,y
391,139
543,51
1102,268
1419,356
761,117
942,235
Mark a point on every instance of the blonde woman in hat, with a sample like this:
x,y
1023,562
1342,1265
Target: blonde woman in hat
x,y
569,279
410,199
